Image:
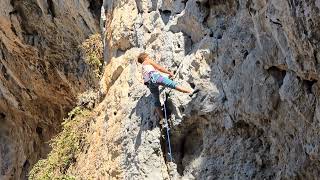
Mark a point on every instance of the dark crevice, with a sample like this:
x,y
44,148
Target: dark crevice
x,y
13,12
5,73
206,6
39,131
184,2
188,44
180,167
31,38
308,85
192,85
25,169
165,15
51,8
85,23
278,74
250,9
241,125
163,146
139,6
163,139
14,30
2,117
315,56
95,7
168,104
188,147
276,22
245,53
234,63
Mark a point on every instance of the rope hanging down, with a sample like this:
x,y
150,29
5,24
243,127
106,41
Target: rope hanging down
x,y
167,128
166,115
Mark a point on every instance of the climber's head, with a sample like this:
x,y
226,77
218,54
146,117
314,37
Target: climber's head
x,y
142,57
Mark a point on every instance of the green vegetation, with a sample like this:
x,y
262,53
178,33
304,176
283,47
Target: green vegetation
x,y
92,50
71,141
65,147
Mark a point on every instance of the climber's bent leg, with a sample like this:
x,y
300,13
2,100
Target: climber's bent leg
x,y
154,89
165,81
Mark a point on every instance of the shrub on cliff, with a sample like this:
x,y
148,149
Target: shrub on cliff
x,y
65,146
92,51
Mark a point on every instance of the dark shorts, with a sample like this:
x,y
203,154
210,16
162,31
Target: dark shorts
x,y
153,85
154,89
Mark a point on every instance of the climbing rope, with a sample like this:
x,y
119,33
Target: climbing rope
x,y
166,114
167,128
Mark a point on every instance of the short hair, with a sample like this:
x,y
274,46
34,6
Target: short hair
x,y
142,57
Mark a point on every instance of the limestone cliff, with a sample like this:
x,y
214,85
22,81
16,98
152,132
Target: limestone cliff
x,y
42,72
257,114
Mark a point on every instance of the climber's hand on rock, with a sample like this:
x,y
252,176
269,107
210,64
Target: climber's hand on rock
x,y
171,74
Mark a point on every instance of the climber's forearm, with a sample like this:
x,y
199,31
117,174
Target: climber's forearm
x,y
164,70
160,68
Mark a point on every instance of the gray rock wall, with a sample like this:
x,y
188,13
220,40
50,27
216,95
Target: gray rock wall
x,y
256,63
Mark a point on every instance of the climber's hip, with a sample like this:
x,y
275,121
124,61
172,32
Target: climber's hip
x,y
159,79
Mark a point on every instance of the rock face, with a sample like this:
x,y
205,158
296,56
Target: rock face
x,y
41,74
256,63
257,114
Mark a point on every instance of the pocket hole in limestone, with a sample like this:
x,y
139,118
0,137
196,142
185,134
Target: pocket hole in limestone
x,y
192,85
278,74
39,131
2,117
182,109
308,85
165,15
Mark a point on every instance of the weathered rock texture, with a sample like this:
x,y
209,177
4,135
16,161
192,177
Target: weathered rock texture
x,y
257,115
41,74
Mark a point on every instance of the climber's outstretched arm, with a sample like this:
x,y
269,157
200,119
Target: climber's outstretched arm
x,y
160,68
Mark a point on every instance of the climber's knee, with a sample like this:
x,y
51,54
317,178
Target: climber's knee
x,y
165,81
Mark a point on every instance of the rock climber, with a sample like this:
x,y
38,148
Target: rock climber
x,y
152,78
